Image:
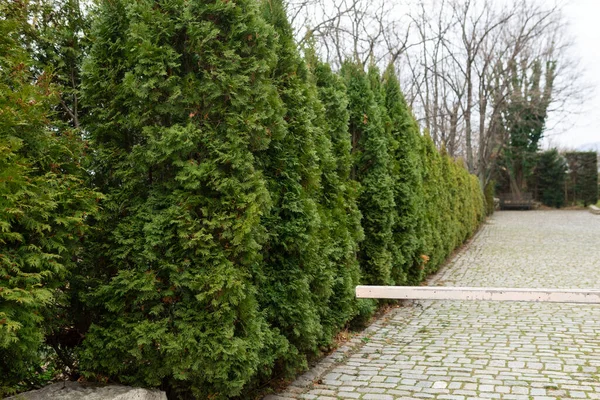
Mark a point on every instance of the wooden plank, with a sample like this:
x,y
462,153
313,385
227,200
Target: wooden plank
x,y
580,296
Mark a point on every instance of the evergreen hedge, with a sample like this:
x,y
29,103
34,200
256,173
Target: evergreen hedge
x,y
582,177
341,218
548,178
44,206
182,101
371,169
247,191
407,170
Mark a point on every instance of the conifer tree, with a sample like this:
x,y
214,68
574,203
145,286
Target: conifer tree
x,y
43,205
298,276
181,102
433,189
340,213
450,211
375,81
408,184
371,168
59,40
548,178
453,204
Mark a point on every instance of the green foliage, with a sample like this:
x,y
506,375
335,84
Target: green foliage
x,y
371,168
247,191
59,39
454,205
548,178
433,191
181,102
489,193
437,203
583,177
297,274
406,172
43,206
340,216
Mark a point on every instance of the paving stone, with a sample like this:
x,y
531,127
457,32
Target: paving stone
x,y
348,395
472,350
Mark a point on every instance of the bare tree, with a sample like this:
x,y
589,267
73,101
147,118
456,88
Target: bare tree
x,y
452,57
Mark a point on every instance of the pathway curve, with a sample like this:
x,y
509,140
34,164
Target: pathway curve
x,y
478,350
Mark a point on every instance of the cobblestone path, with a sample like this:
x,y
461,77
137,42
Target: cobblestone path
x,y
476,350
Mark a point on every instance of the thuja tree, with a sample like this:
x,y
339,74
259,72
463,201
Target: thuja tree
x,y
341,216
43,206
181,100
293,263
58,40
407,182
548,178
453,205
450,208
371,168
396,273
583,176
433,191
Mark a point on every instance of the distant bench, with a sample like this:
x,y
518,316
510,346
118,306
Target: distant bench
x,y
508,201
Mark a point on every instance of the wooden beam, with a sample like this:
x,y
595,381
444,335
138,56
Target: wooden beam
x,y
580,296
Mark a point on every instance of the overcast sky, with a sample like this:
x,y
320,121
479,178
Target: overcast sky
x,y
583,128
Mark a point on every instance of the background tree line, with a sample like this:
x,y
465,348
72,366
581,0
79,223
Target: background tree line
x,y
481,76
188,201
561,179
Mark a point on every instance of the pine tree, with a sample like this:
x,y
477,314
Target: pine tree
x,y
43,205
181,103
408,184
371,168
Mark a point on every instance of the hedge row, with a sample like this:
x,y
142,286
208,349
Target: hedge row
x,y
246,191
570,178
43,208
582,177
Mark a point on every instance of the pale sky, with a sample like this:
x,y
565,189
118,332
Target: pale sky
x,y
584,127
